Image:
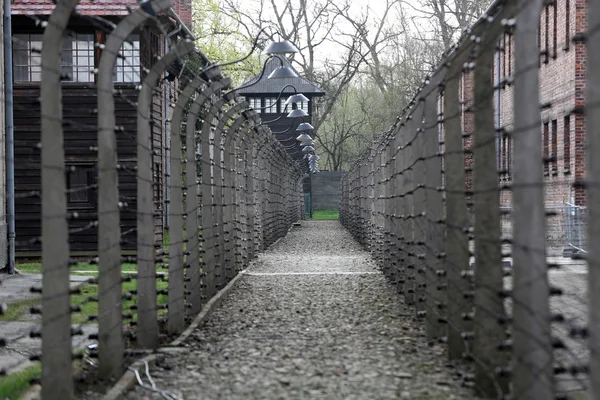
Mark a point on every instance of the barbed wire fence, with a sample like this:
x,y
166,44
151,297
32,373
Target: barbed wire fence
x,y
470,240
233,189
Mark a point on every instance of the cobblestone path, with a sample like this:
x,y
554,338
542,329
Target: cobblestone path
x,y
312,318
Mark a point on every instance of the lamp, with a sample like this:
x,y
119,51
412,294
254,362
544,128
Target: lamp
x,y
280,48
304,137
296,98
298,112
283,71
305,126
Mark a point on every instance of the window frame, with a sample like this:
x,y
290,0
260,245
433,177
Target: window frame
x,y
255,103
546,147
567,45
567,144
554,148
92,51
273,105
91,179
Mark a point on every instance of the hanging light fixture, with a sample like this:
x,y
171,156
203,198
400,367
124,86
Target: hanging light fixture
x,y
298,112
283,71
296,98
305,126
283,47
304,137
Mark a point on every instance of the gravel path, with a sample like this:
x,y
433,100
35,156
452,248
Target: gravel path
x,y
313,319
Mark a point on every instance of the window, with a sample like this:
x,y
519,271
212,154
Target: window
x,y
505,154
555,29
78,59
510,40
554,150
271,104
546,147
255,103
567,24
80,186
508,158
567,145
27,58
505,50
546,34
76,64
127,66
303,105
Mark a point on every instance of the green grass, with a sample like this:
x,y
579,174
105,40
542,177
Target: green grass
x,y
13,386
88,269
326,215
19,310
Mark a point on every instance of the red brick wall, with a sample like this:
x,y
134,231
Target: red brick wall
x,y
562,87
183,8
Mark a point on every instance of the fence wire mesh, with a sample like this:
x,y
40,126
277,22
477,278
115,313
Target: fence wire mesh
x,y
100,171
481,219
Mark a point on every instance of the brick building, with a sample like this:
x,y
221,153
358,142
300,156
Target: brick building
x,y
562,91
562,72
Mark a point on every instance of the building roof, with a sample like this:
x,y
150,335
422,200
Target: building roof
x,y
85,7
265,85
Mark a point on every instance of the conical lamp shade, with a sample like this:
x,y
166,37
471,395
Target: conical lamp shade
x,y
296,98
305,126
297,113
304,137
282,73
284,47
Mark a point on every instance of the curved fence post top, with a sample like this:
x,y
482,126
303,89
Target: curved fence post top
x,y
182,49
192,87
234,109
125,27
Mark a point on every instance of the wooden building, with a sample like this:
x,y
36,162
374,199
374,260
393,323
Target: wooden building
x,y
79,58
262,95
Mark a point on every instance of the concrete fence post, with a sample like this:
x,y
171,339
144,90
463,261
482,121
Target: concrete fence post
x,y
147,323
489,326
111,344
57,382
435,232
532,341
457,242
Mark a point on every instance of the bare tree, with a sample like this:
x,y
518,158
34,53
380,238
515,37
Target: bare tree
x,y
449,18
318,25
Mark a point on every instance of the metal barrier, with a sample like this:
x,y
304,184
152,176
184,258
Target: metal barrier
x,y
426,200
233,192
